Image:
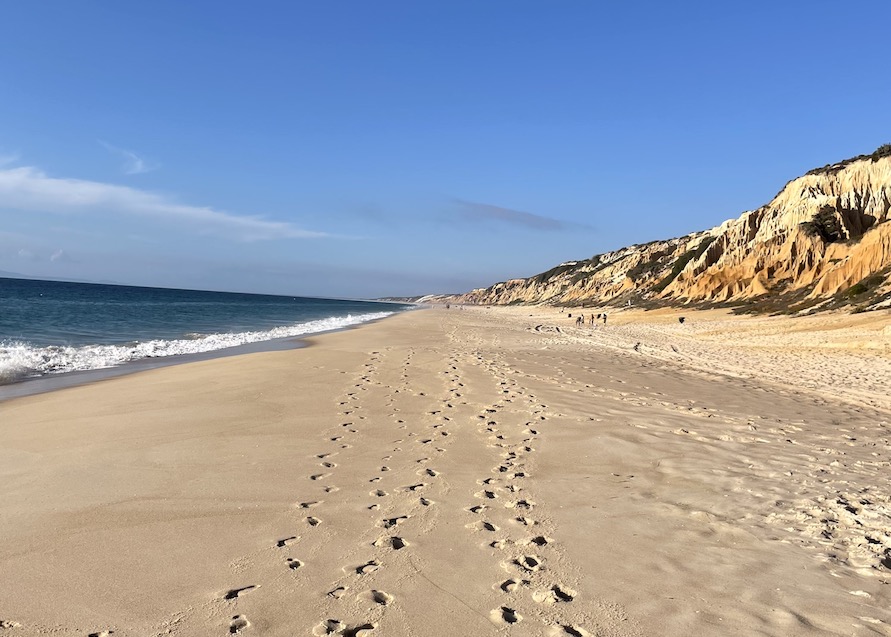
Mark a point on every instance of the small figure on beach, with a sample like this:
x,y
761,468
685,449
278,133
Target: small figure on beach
x,y
592,319
604,318
681,320
580,320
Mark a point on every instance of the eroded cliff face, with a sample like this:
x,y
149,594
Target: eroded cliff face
x,y
824,240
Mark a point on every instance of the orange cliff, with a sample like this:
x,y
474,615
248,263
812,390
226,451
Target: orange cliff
x,y
824,241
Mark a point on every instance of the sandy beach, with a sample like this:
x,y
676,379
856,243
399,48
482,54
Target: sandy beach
x,y
466,472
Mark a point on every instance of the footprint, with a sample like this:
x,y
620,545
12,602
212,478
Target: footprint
x,y
235,592
338,592
571,631
319,476
478,508
238,623
487,495
328,465
331,489
529,563
329,627
505,615
483,526
389,523
310,504
554,595
520,504
431,473
380,597
540,540
102,633
294,564
425,502
415,487
286,541
313,521
563,594
509,585
359,631
394,542
369,567
379,493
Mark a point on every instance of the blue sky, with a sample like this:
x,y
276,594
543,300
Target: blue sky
x,y
362,149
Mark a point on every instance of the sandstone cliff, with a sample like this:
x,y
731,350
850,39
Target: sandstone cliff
x,y
823,241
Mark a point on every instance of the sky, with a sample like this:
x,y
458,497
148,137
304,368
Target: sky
x,y
367,149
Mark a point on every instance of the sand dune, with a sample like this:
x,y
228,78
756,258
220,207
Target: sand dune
x,y
465,472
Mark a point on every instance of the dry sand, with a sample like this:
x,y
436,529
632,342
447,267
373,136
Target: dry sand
x,y
466,472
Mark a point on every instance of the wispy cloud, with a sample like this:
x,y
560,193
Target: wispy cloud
x,y
28,188
60,255
133,163
8,158
473,212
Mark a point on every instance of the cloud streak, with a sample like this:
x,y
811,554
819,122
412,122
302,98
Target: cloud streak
x,y
475,212
28,188
133,163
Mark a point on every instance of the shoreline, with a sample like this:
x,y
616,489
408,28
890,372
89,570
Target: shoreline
x,y
449,472
35,385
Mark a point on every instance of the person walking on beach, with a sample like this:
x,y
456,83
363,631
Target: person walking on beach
x,y
592,319
604,318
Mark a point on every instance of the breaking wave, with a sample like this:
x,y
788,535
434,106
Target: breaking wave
x,y
20,360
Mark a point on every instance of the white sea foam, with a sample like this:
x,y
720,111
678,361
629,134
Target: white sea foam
x,y
20,360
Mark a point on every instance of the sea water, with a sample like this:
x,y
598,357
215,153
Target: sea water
x,y
52,327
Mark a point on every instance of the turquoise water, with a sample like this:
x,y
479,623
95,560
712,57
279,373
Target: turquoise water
x,y
51,327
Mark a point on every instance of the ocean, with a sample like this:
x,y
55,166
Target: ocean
x,y
52,327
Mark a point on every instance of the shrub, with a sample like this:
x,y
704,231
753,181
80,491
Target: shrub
x,y
825,225
645,267
681,262
882,151
866,284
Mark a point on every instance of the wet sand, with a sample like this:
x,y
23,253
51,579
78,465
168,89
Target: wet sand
x,y
466,472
